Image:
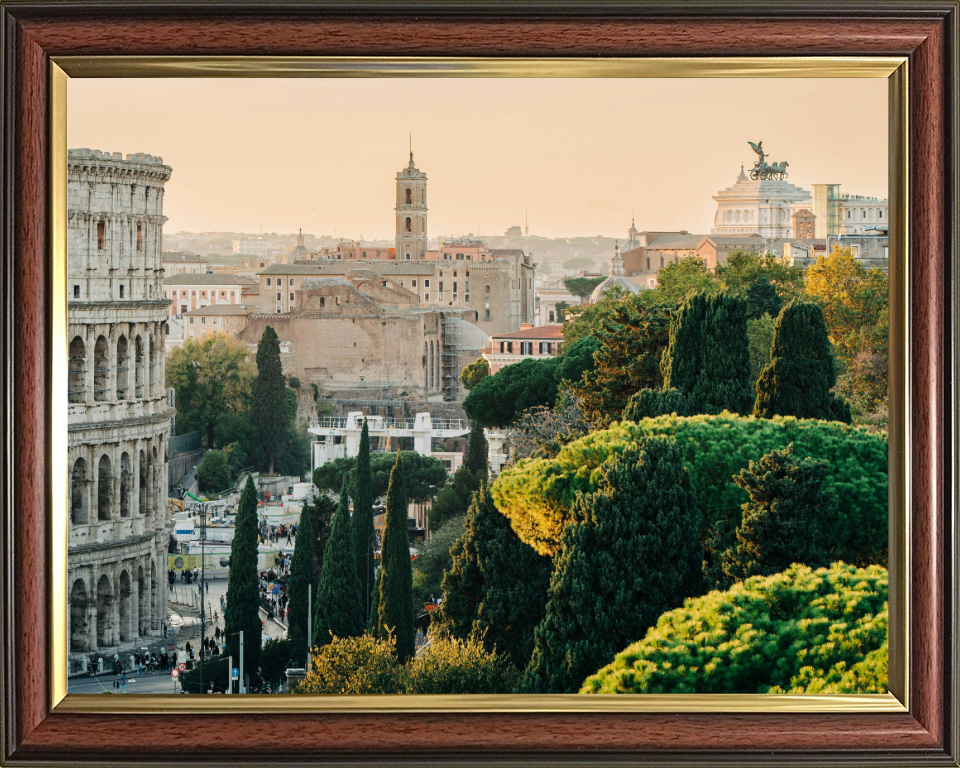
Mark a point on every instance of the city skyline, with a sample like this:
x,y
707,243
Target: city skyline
x,y
581,156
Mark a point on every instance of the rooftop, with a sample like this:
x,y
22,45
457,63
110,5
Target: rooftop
x,y
182,257
214,279
544,332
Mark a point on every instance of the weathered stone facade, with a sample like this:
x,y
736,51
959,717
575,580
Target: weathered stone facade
x,y
119,421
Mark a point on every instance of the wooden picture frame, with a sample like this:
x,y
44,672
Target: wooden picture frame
x,y
40,727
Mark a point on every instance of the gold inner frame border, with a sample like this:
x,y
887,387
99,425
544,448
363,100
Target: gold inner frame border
x,y
894,69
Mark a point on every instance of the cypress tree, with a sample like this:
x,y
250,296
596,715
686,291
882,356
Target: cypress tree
x,y
338,608
708,357
243,591
374,605
268,409
779,525
477,451
798,379
395,600
322,511
630,553
363,520
301,577
763,299
497,586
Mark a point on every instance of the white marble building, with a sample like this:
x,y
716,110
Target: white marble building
x,y
119,419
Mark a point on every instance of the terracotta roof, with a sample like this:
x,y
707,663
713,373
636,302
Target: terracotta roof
x,y
181,257
541,333
669,242
221,309
214,279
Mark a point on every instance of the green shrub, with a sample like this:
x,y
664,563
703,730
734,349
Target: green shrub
x,y
796,631
294,382
362,664
650,403
451,665
537,494
214,472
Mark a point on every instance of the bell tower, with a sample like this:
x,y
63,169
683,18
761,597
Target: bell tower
x,y
411,213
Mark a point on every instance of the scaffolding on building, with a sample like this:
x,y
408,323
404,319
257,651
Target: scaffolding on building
x,y
450,327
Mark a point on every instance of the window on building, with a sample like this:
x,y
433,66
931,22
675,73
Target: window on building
x,y
661,262
364,254
439,296
401,282
139,236
486,314
863,214
203,321
407,255
193,294
849,214
291,297
880,213
76,389
101,235
409,199
268,281
426,297
409,223
526,347
76,291
487,289
440,287
279,310
413,283
278,296
121,291
426,283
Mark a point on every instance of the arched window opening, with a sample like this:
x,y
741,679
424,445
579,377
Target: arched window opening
x,y
79,513
409,197
78,616
104,612
409,222
138,368
126,480
104,488
123,606
150,364
139,236
123,362
76,382
142,485
101,235
101,370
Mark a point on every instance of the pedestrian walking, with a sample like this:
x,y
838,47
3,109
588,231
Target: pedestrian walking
x,y
123,683
208,586
163,626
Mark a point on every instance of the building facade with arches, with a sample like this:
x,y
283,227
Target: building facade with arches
x,y
119,420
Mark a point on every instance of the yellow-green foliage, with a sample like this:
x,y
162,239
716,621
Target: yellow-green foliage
x,y
537,494
354,665
800,631
452,665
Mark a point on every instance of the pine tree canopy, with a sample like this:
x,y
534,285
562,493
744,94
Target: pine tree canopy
x,y
781,521
496,588
800,375
708,357
577,360
632,341
496,400
338,611
650,403
631,553
269,408
395,599
298,587
363,520
243,590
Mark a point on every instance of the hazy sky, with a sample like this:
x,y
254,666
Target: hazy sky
x,y
579,154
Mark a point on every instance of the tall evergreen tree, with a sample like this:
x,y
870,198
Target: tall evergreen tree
x,y
395,599
497,586
708,357
763,299
477,451
269,410
780,522
374,605
322,511
338,608
298,588
798,379
630,553
363,521
243,590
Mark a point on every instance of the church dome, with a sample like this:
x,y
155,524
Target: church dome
x,y
617,278
297,252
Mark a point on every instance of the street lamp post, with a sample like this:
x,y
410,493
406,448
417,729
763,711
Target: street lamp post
x,y
203,619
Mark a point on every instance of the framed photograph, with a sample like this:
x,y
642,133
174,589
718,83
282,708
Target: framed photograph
x,y
447,471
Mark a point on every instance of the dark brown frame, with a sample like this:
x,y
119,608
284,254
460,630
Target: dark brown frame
x,y
924,32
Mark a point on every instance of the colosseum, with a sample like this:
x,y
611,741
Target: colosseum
x,y
119,418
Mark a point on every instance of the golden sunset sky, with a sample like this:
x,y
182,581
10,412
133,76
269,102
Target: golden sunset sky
x,y
579,154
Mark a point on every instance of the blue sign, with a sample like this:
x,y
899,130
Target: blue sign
x,y
234,674
276,589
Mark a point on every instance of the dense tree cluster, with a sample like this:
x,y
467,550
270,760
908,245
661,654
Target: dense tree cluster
x,y
425,475
496,400
799,631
